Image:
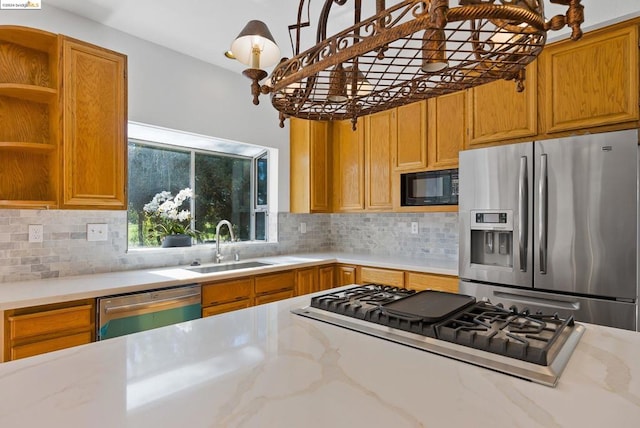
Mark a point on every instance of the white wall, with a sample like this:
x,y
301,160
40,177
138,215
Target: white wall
x,y
176,91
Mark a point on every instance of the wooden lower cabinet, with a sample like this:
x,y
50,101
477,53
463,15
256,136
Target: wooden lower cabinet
x,y
39,329
306,281
221,308
367,275
274,297
311,280
428,281
326,277
345,275
273,287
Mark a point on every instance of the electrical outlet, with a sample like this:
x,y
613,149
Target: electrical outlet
x,y
35,233
97,232
303,227
414,227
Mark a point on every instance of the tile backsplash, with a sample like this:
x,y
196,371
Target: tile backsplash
x,y
65,250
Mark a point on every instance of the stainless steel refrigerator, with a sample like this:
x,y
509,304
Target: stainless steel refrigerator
x,y
553,226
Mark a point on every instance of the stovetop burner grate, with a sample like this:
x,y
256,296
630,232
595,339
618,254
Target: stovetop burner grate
x,y
505,332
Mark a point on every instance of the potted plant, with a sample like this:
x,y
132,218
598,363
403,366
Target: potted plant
x,y
169,222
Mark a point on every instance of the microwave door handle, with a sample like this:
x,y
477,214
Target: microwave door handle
x,y
523,209
542,214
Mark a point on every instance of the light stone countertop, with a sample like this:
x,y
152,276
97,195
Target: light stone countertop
x,y
265,367
39,292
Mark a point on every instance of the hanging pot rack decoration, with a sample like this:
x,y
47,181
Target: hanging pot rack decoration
x,y
410,51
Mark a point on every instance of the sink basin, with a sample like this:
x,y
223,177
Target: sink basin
x,y
226,267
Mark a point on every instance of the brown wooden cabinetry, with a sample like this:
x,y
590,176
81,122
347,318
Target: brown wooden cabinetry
x,y
430,281
326,277
380,137
306,281
447,130
39,329
348,161
345,275
311,179
313,279
94,127
63,106
29,113
410,146
592,82
275,286
499,113
366,275
224,296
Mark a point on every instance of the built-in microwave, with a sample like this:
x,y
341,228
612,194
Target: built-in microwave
x,y
429,188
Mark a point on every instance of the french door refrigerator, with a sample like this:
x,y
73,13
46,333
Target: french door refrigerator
x,y
553,226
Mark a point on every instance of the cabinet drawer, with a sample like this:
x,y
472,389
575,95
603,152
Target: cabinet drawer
x,y
225,307
49,322
274,297
227,291
275,282
50,345
381,276
427,281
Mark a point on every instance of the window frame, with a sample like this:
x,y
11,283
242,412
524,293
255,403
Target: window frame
x,y
192,174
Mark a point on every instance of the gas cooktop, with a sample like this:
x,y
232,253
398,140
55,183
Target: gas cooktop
x,y
535,347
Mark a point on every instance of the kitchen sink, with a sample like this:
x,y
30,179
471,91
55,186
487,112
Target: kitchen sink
x,y
226,267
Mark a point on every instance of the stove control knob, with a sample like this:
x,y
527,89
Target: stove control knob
x,y
513,308
526,312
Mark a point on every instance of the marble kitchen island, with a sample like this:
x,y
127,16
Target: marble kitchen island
x,y
265,367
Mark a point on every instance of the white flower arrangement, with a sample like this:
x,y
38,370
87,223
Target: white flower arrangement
x,y
165,213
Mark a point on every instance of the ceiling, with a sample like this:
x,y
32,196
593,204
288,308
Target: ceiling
x,y
204,29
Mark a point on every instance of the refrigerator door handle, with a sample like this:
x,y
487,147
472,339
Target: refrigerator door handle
x,y
542,215
523,210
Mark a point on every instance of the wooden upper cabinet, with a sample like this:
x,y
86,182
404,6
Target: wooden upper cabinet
x,y
94,141
447,129
410,148
381,133
29,118
591,82
311,180
498,112
348,162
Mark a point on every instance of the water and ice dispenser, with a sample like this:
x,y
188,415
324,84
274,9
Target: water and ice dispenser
x,y
492,238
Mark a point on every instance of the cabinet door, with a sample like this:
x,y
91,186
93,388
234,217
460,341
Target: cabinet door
x,y
325,278
592,82
274,282
274,297
447,127
227,291
380,137
94,127
345,275
410,149
429,281
381,276
348,152
225,307
306,281
498,112
39,329
310,166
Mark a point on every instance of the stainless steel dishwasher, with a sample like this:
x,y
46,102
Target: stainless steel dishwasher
x,y
130,313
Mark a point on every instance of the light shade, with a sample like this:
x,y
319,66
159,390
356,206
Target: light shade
x,y
434,51
363,86
255,46
338,85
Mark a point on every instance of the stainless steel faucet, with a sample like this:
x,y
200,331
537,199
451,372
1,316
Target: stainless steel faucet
x,y
221,223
